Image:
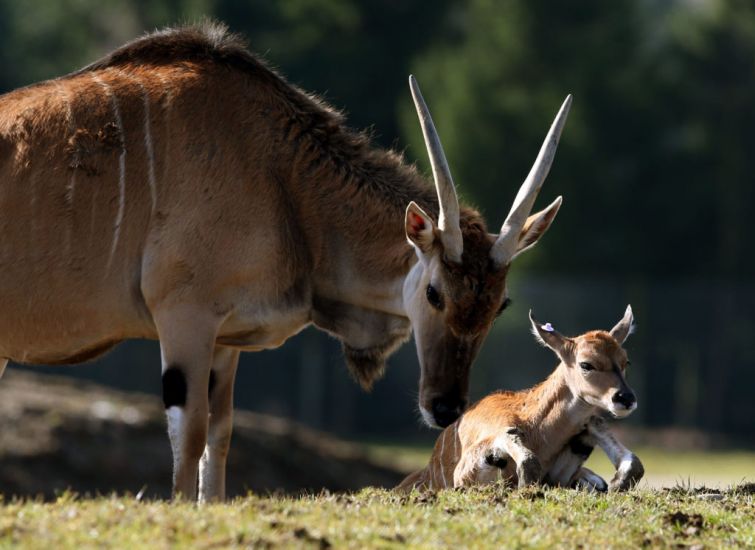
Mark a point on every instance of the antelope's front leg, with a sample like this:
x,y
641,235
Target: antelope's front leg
x,y
567,469
187,340
629,469
528,468
212,466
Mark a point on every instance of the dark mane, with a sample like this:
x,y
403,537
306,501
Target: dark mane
x,y
349,153
204,42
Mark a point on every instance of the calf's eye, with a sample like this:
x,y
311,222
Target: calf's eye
x,y
433,296
586,367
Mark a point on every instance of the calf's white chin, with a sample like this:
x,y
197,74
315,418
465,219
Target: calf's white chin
x,y
620,411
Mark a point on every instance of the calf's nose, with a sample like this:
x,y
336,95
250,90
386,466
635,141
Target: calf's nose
x,y
625,398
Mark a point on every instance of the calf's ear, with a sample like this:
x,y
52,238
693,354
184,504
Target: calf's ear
x,y
625,327
551,338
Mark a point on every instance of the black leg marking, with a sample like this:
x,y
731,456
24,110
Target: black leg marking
x,y
579,447
211,384
497,461
174,387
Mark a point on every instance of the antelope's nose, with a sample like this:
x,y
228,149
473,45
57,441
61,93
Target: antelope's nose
x,y
625,398
447,409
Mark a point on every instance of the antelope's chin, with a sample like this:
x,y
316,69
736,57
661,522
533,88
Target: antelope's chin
x,y
619,411
428,418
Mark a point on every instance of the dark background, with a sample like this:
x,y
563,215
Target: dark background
x,y
655,167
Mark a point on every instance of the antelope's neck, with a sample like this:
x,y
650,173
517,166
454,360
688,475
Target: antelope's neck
x,y
360,257
558,412
365,311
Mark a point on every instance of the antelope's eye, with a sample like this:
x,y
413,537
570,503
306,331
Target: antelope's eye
x,y
587,367
433,296
506,303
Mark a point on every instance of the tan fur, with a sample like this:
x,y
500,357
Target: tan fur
x,y
180,189
521,434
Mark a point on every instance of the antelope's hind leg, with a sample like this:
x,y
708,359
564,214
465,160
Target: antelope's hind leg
x,y
212,466
480,464
511,444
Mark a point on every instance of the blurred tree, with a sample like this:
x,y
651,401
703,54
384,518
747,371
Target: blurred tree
x,y
660,124
354,53
40,39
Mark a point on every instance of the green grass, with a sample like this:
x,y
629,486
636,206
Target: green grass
x,y
492,517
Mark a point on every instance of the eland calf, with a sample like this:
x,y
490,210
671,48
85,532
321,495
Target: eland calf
x,y
179,189
544,434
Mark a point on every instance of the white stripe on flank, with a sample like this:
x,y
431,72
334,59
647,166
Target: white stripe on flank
x,y
442,450
166,84
147,139
456,442
150,150
71,187
121,168
167,106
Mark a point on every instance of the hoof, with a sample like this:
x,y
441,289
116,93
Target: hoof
x,y
529,471
628,475
587,480
497,459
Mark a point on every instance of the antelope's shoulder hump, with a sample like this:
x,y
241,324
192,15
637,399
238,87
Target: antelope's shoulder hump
x,y
209,42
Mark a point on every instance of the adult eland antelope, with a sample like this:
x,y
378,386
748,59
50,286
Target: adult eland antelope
x,y
179,189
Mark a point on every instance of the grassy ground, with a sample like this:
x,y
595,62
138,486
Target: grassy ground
x,y
722,516
493,517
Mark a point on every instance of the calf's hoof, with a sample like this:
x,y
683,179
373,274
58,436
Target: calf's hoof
x,y
587,480
529,471
628,475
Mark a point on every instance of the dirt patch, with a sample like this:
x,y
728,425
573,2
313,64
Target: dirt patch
x,y
690,524
58,433
744,489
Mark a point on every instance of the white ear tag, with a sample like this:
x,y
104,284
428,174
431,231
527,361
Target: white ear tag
x,y
547,327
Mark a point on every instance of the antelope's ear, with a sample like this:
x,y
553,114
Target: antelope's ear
x,y
536,226
550,338
625,327
420,229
